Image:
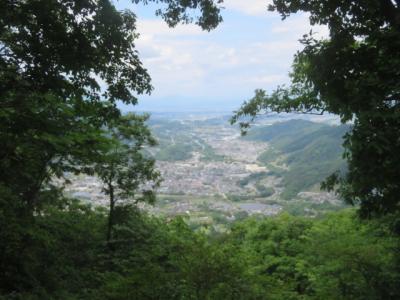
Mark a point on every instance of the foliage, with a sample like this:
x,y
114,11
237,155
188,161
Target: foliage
x,y
53,55
353,74
337,257
60,256
178,11
56,118
150,259
63,67
125,172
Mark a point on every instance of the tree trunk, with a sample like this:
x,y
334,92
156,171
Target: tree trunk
x,y
110,213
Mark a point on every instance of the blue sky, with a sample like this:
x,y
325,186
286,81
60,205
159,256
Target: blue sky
x,y
193,70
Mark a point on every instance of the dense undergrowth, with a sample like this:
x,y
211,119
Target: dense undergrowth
x,y
64,255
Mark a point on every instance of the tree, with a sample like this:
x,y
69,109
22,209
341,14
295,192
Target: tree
x,y
354,74
351,259
63,67
124,169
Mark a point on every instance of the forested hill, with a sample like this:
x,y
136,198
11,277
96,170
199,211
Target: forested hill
x,y
304,153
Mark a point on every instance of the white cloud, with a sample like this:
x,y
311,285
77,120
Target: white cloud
x,y
227,63
152,27
252,7
297,25
262,80
187,65
187,68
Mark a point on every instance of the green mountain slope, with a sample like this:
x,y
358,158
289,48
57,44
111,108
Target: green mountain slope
x,y
304,153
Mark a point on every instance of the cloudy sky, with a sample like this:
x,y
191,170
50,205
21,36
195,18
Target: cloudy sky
x,y
193,70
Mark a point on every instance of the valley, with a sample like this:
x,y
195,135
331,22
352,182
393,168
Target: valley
x,y
214,176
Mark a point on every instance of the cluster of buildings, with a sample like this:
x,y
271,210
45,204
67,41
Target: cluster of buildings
x,y
212,179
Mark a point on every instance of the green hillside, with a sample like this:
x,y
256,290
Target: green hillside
x,y
304,153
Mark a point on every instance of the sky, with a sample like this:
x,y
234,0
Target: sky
x,y
195,70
